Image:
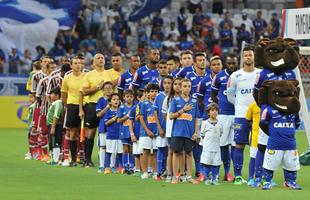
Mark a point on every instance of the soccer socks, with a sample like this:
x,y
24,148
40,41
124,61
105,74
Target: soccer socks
x,y
225,155
131,161
207,171
290,176
101,156
251,168
44,144
165,157
56,153
238,161
268,174
259,160
232,153
197,150
125,159
107,160
215,172
118,160
33,140
89,144
66,147
160,155
73,149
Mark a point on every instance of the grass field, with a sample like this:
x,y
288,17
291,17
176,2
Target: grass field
x,y
24,179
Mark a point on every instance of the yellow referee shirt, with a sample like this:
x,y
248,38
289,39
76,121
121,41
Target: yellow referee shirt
x,y
72,85
253,114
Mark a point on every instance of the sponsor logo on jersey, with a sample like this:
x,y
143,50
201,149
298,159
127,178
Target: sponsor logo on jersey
x,y
151,119
283,125
246,91
186,116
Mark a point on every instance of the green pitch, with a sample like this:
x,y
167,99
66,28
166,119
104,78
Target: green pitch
x,y
29,179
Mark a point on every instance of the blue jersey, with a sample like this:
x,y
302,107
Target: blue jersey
x,y
145,75
226,42
282,128
267,74
124,127
219,84
160,82
134,112
124,81
101,104
158,104
147,112
184,125
195,79
259,24
204,90
175,72
183,71
112,129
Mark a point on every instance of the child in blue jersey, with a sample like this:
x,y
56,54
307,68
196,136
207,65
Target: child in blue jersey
x,y
162,142
113,143
174,92
101,108
123,119
184,111
211,153
148,132
226,112
134,127
281,146
163,72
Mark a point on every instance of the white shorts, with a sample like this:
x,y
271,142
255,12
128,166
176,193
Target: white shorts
x,y
211,158
262,137
227,126
161,141
288,158
147,143
102,139
114,146
253,152
136,148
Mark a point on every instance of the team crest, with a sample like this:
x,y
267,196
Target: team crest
x,y
271,152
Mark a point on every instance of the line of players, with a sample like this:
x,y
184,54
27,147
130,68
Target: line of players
x,y
159,121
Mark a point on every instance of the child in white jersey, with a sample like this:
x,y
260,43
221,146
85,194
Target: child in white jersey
x,y
211,152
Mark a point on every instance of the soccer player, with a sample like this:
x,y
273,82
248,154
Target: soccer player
x,y
187,62
184,111
226,112
148,131
163,72
123,119
54,124
101,108
114,144
239,92
195,77
161,141
174,92
147,73
211,152
36,66
173,64
70,94
92,87
253,117
134,127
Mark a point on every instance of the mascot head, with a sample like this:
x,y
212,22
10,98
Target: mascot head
x,y
276,55
282,95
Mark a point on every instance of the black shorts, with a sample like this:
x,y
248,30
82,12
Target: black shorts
x,y
56,141
91,120
73,120
179,144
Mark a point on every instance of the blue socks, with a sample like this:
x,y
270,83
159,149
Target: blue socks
x,y
131,161
215,172
290,176
208,169
197,150
225,155
259,161
238,161
125,160
251,168
118,161
268,174
107,160
160,155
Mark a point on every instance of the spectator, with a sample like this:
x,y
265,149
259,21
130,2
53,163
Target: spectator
x,y
259,25
248,23
184,44
172,30
57,51
111,14
142,36
170,42
25,62
193,5
274,27
155,43
217,7
122,40
40,52
198,16
226,19
157,30
226,37
207,25
96,20
243,35
210,39
13,62
80,28
90,43
157,20
182,26
2,61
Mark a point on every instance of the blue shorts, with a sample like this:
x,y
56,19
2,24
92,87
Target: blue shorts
x,y
127,141
241,131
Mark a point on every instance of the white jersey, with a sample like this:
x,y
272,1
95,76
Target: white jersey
x,y
211,133
169,122
240,90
